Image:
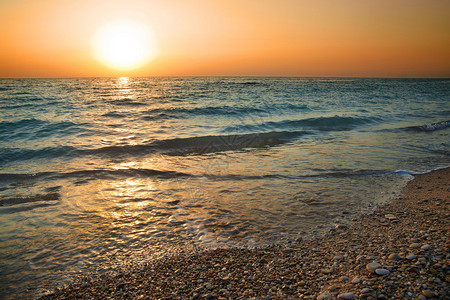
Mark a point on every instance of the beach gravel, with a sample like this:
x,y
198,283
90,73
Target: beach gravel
x,y
408,239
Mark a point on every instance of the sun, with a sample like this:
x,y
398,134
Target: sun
x,y
124,45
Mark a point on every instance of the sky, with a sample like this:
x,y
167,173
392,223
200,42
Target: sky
x,y
320,38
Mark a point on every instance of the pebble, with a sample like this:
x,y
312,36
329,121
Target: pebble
x,y
414,245
390,217
346,296
428,294
365,291
382,272
425,247
372,267
356,280
324,296
411,257
210,297
342,226
394,256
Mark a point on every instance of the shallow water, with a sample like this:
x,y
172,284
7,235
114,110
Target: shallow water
x,y
95,173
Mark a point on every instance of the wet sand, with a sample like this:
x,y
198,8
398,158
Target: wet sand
x,y
399,251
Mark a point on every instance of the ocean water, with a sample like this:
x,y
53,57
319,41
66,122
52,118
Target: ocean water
x,y
106,172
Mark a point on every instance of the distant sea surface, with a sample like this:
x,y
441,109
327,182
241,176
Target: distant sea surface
x,y
102,173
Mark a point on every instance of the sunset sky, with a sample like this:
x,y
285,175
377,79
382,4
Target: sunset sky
x,y
351,38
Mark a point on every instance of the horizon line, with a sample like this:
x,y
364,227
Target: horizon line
x,y
230,76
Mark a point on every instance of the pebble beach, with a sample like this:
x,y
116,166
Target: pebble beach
x,y
400,250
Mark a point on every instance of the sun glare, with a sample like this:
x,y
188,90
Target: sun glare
x,y
124,45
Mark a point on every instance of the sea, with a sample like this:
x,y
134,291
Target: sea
x,y
99,174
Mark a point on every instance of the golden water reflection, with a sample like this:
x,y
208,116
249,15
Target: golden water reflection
x,y
124,80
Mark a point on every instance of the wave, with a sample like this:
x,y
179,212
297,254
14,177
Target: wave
x,y
34,128
8,155
91,174
7,126
413,173
318,174
335,123
236,83
115,114
208,110
268,134
204,144
126,102
111,174
28,199
430,126
18,106
60,128
216,111
21,204
177,146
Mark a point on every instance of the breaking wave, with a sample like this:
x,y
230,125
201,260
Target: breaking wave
x,y
430,126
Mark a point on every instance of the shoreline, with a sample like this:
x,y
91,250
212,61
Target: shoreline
x,y
407,237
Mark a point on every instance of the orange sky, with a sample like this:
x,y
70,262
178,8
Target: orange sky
x,y
382,38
